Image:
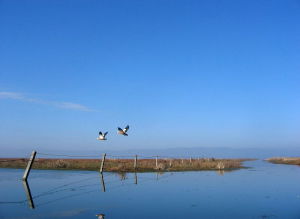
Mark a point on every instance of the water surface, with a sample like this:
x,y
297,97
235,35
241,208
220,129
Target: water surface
x,y
263,191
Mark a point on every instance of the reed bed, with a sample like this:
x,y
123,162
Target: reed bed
x,y
126,165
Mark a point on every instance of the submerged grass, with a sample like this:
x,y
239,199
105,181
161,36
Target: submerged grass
x,y
126,165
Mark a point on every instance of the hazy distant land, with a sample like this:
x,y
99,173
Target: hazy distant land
x,y
285,160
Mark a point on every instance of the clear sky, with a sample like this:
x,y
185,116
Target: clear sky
x,y
180,73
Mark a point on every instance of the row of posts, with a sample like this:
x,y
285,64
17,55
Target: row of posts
x,y
135,162
33,154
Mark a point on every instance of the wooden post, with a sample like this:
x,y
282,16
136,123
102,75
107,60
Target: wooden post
x,y
28,194
29,165
170,163
135,162
102,163
156,162
190,160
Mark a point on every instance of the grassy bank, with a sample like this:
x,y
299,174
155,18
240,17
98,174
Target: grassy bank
x,y
285,160
126,165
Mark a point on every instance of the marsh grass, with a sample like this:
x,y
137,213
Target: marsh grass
x,y
127,165
285,160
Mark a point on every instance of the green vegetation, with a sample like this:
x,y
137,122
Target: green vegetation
x,y
126,165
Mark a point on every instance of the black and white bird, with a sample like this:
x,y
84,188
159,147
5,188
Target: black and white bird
x,y
123,131
102,136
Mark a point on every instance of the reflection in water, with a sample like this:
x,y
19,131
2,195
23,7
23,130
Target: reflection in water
x,y
220,172
28,194
242,194
65,188
159,174
102,182
135,178
122,175
100,216
73,189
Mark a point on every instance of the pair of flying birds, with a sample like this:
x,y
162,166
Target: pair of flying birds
x,y
102,136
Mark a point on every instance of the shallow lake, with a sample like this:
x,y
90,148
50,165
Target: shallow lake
x,y
263,191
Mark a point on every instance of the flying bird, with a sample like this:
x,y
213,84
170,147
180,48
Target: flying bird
x,y
102,136
123,131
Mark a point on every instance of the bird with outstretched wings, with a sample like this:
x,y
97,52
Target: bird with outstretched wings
x,y
102,136
123,131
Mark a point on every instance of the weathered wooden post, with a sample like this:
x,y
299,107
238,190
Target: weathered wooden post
x,y
29,165
190,159
28,194
170,162
156,162
135,162
102,163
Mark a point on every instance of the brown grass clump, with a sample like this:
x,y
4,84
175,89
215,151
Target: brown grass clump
x,y
126,165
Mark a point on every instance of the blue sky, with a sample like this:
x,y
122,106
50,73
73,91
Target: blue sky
x,y
180,73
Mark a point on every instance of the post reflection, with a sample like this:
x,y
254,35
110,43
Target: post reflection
x,y
102,182
135,178
122,175
220,172
28,194
71,187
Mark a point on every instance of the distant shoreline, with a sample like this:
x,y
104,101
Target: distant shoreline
x,y
127,165
284,160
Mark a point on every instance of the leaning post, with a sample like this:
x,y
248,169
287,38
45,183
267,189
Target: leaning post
x,y
29,165
102,163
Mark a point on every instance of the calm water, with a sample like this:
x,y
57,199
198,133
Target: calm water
x,y
264,191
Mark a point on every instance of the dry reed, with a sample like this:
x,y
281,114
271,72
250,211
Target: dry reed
x,y
126,165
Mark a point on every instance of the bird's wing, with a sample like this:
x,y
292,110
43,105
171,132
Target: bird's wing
x,y
120,129
100,133
105,134
126,128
